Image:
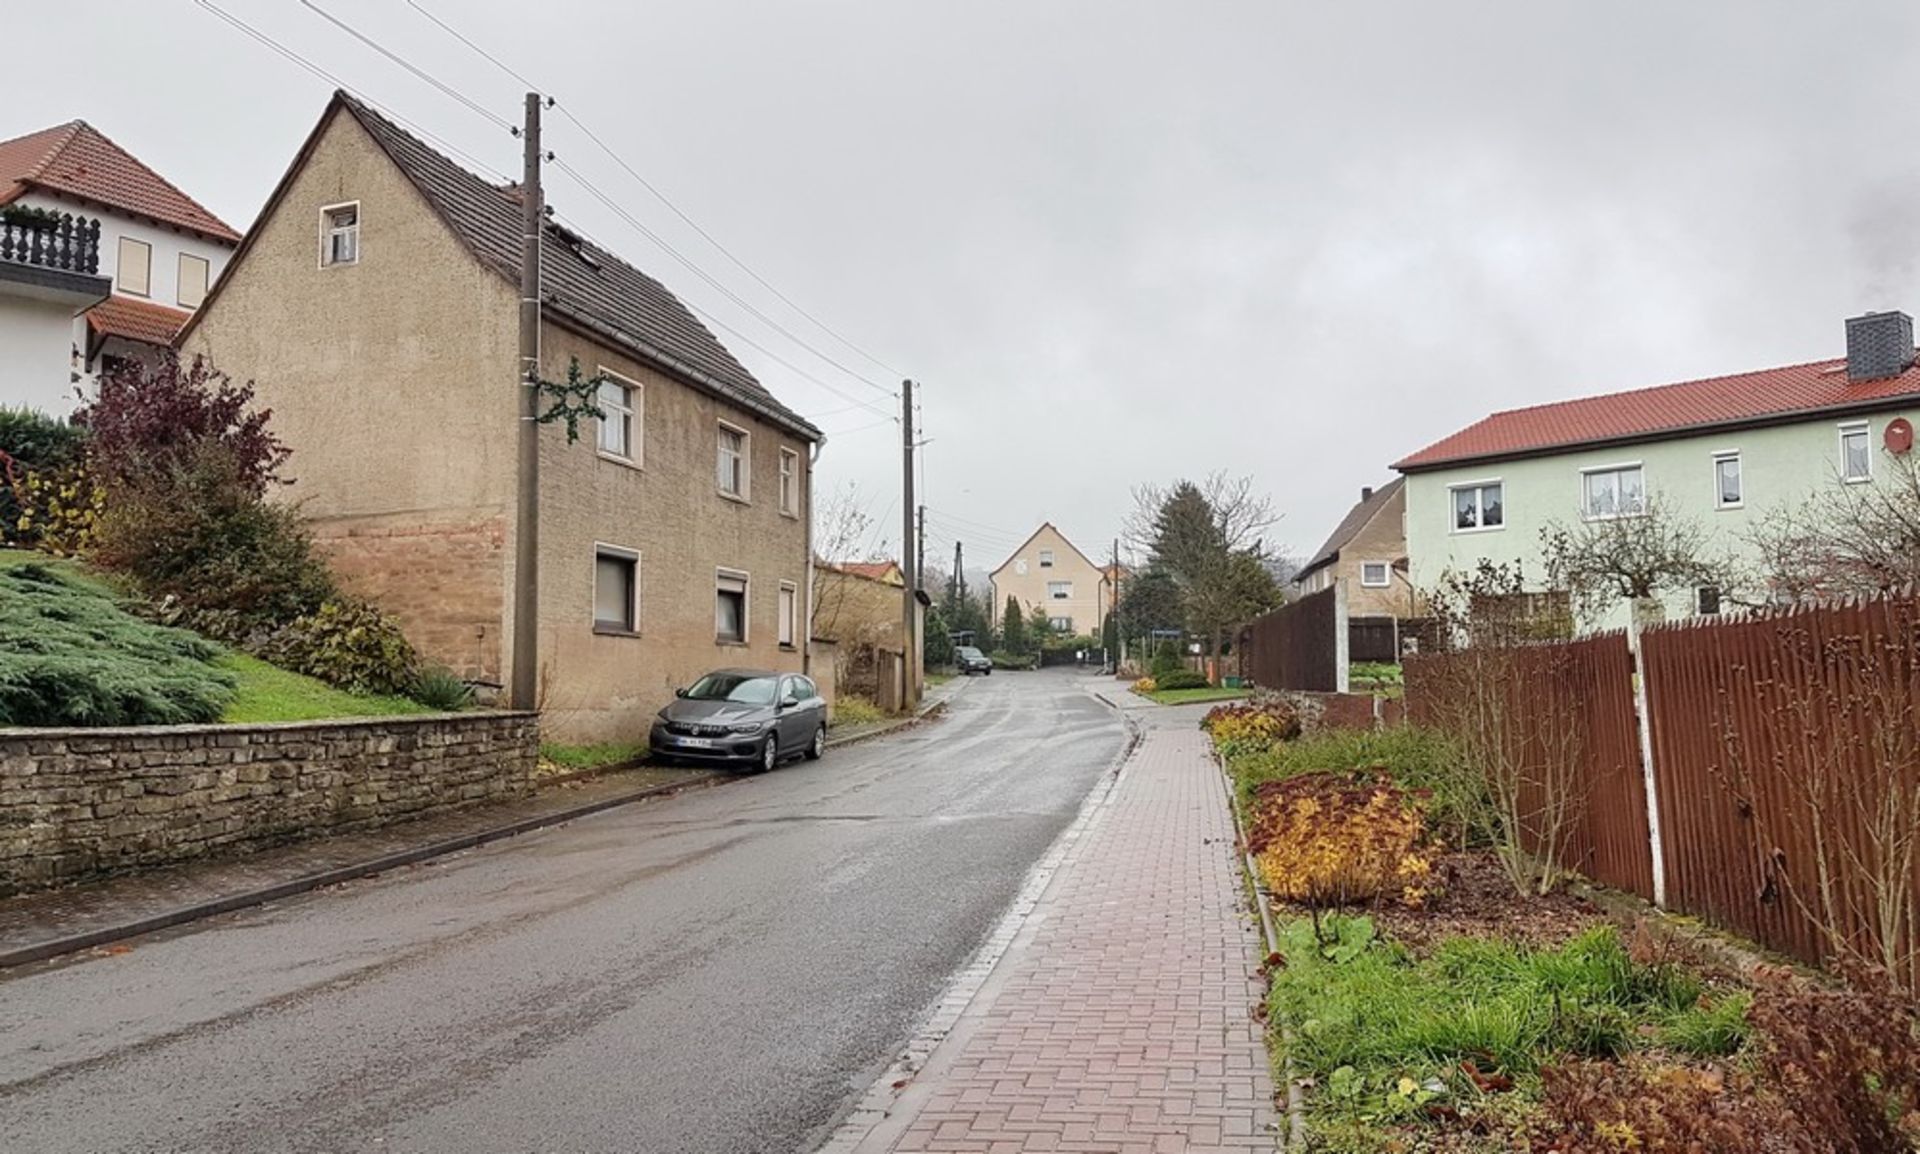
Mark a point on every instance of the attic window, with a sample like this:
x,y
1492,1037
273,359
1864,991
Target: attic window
x,y
576,244
340,234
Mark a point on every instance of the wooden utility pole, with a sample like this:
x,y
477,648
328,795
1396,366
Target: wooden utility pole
x,y
522,686
956,588
920,546
909,631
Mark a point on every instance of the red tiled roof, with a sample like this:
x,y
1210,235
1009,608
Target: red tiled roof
x,y
76,160
887,572
1744,398
134,320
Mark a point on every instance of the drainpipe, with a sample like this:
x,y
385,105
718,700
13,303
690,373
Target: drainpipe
x,y
806,642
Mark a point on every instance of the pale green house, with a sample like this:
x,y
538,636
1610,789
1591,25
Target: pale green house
x,y
1724,451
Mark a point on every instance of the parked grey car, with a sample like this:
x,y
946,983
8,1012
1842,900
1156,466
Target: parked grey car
x,y
970,661
750,717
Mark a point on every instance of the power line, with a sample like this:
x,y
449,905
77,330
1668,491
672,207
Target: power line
x,y
261,37
447,89
662,197
614,207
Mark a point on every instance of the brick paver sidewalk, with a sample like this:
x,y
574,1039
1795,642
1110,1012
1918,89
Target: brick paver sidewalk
x,y
1119,1020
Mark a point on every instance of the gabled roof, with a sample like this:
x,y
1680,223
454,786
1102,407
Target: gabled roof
x,y
1044,526
1770,396
885,572
134,320
76,160
581,283
1356,519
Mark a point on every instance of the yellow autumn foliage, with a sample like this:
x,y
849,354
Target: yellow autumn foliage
x,y
1327,839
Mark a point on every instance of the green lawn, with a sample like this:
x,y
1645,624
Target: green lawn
x,y
579,758
1190,696
268,693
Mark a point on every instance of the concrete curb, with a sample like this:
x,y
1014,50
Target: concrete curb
x,y
52,948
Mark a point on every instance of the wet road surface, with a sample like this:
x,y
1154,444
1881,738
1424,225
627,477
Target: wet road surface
x,y
721,971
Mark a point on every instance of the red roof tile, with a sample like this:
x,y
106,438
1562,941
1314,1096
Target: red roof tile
x,y
887,572
134,320
1744,398
76,160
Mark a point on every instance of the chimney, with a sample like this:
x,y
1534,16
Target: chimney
x,y
1366,492
1879,345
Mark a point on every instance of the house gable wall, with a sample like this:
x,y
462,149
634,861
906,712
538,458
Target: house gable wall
x,y
1091,597
393,381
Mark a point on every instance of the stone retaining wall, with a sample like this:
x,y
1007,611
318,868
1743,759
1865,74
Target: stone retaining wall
x,y
76,803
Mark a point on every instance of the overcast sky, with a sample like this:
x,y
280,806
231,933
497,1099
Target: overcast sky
x,y
1122,241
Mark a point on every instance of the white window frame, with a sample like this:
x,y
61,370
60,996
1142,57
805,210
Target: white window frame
x,y
1046,558
1059,590
788,612
1063,625
746,606
1740,471
1587,474
120,264
1479,506
180,280
1865,430
789,482
328,229
623,553
743,470
1386,574
636,414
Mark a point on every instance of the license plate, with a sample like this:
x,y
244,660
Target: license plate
x,y
697,742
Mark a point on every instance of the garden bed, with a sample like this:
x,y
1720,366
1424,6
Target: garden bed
x,y
1428,996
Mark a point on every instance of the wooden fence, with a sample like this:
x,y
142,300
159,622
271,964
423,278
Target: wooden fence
x,y
1297,646
1786,754
1564,716
1785,751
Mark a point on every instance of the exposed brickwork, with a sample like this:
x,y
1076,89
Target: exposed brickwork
x,y
1122,1023
441,580
82,802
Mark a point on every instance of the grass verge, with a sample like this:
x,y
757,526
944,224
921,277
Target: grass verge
x,y
583,758
852,710
1194,696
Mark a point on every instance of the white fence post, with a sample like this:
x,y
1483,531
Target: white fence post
x,y
1342,639
1644,719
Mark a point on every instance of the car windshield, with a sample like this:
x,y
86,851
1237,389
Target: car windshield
x,y
968,652
743,688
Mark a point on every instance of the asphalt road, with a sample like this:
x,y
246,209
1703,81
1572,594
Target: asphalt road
x,y
721,971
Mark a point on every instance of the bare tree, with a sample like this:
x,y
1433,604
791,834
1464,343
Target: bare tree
x,y
1517,775
1635,558
1846,540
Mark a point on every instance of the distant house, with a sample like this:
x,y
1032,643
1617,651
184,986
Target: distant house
x,y
100,257
1722,452
376,305
1368,551
1048,571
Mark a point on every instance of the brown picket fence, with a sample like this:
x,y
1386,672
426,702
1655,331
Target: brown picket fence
x,y
1572,699
1786,753
1783,743
1296,646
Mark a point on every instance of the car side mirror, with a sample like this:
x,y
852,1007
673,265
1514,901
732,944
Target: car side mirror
x,y
790,703
680,693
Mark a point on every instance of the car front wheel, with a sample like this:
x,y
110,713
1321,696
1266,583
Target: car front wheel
x,y
770,755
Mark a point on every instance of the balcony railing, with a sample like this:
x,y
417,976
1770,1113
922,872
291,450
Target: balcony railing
x,y
59,241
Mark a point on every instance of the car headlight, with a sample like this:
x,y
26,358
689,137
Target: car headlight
x,y
749,727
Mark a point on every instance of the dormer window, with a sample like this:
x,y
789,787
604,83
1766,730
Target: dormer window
x,y
340,235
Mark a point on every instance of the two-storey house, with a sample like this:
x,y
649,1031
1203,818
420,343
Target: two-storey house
x,y
100,257
375,304
1049,571
1721,453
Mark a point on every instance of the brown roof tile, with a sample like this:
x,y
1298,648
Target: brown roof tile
x,y
581,281
76,160
134,320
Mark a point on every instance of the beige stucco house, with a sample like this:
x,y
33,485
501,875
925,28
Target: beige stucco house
x,y
1049,571
1368,551
375,305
